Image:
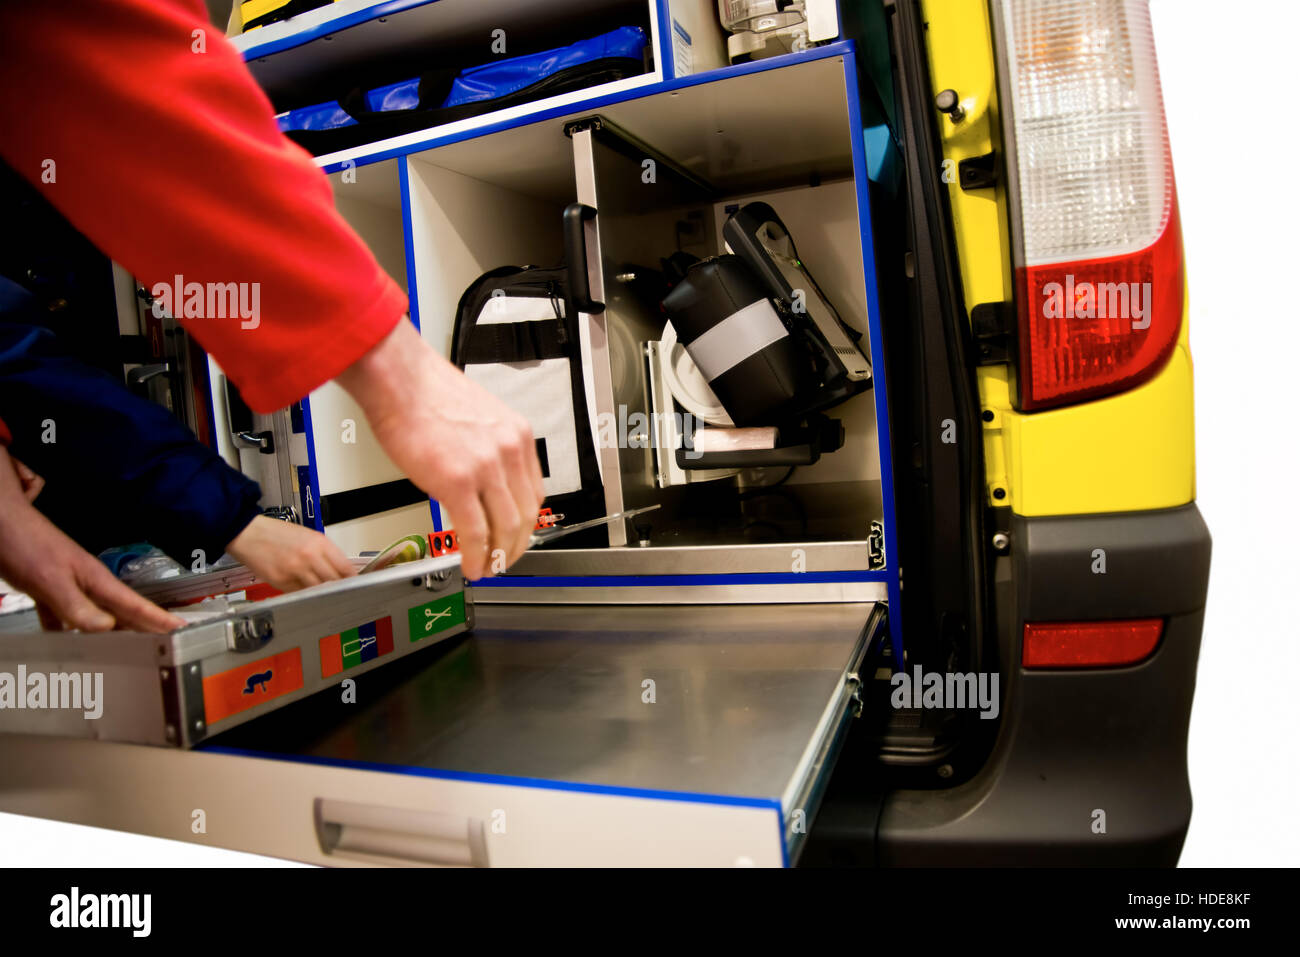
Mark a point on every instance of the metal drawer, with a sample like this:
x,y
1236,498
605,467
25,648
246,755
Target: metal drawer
x,y
551,735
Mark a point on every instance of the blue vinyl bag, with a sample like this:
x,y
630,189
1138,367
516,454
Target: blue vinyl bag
x,y
446,94
322,116
403,95
493,80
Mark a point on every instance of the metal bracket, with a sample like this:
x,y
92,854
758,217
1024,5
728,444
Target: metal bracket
x,y
978,172
182,692
593,123
282,513
264,442
854,681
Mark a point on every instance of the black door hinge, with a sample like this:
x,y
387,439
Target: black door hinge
x,y
993,326
978,172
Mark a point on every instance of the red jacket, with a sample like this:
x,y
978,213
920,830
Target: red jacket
x,y
155,141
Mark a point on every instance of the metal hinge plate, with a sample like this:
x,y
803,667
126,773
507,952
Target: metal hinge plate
x,y
876,546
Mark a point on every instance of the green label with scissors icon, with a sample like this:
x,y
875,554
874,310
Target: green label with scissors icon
x,y
436,616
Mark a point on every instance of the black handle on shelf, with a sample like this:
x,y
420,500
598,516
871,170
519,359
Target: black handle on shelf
x,y
138,379
575,254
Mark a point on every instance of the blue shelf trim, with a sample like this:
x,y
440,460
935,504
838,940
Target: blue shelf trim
x,y
876,338
412,296
651,581
510,780
667,62
310,431
412,290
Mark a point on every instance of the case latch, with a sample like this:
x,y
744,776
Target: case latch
x,y
252,632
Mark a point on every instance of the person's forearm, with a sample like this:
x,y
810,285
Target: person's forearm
x,y
380,380
140,122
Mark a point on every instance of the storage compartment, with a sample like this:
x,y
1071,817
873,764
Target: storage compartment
x,y
832,500
661,186
783,137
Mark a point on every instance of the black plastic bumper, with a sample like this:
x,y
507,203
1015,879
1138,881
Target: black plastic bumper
x,y
1077,749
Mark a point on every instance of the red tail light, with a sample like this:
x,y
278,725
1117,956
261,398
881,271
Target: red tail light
x,y
1100,279
1090,644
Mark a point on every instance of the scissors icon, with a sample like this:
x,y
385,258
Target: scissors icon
x,y
428,613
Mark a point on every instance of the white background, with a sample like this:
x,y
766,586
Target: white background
x,y
1226,69
1229,73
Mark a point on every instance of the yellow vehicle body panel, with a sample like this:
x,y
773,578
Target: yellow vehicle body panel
x,y
1127,452
252,9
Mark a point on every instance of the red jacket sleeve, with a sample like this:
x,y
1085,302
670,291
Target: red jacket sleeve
x,y
157,144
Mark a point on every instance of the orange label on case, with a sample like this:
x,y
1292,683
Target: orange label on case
x,y
230,692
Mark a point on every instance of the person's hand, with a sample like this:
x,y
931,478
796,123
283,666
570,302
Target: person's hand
x,y
456,441
71,587
287,555
31,482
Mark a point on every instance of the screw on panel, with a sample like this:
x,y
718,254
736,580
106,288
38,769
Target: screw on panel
x,y
944,770
1001,541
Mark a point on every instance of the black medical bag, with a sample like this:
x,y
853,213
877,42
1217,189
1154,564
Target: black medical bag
x,y
516,334
747,326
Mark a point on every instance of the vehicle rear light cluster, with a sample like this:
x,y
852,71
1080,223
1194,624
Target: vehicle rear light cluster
x,y
1090,644
1101,285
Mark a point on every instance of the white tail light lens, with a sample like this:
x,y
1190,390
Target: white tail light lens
x,y
1101,282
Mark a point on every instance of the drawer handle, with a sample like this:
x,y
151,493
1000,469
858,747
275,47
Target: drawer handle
x,y
401,835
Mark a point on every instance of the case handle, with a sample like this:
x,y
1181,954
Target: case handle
x,y
400,834
576,216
